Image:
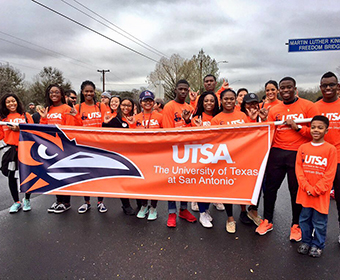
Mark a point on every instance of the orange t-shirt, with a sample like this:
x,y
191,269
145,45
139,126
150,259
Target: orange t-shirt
x,y
270,105
153,120
236,117
332,112
206,120
59,115
285,137
172,114
9,136
315,171
90,115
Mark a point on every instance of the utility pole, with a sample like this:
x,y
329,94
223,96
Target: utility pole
x,y
103,73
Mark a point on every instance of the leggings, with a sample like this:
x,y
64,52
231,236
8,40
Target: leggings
x,y
13,187
229,209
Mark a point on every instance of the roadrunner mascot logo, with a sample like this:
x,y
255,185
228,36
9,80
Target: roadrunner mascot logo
x,y
48,160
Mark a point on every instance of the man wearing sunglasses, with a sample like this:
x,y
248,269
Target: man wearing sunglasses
x,y
71,97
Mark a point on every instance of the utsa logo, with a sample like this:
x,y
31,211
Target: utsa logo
x,y
316,160
48,160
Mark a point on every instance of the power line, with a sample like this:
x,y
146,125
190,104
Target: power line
x,y
88,28
136,41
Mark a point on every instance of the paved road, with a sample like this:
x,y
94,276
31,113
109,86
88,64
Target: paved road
x,y
38,245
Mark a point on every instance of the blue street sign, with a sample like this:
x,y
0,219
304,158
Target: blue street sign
x,y
314,44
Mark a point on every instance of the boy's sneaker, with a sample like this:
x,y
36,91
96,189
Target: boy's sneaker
x,y
142,212
101,207
27,205
84,208
61,208
172,220
231,227
264,227
52,208
303,249
194,206
204,220
152,214
257,220
295,233
219,206
244,218
186,215
315,252
15,207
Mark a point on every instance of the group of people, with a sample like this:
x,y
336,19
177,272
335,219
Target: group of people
x,y
298,150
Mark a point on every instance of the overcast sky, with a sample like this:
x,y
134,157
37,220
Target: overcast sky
x,y
250,35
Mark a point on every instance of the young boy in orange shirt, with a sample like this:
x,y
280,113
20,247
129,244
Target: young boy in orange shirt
x,y
316,165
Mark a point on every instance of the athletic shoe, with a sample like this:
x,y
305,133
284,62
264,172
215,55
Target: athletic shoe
x,y
27,205
219,206
257,220
264,227
231,227
172,220
186,215
332,194
52,208
295,233
142,212
315,252
152,214
84,208
129,211
204,220
244,218
61,208
15,207
207,213
101,207
303,249
194,206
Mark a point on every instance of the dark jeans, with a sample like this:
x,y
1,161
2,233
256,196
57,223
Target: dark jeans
x,y
203,206
172,206
280,163
336,186
311,219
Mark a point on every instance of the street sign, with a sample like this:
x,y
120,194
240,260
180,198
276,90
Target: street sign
x,y
314,44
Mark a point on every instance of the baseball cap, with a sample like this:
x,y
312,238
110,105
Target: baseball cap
x,y
146,95
31,104
106,94
250,97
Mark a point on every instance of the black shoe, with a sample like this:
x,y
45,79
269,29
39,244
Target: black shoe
x,y
315,252
128,210
303,249
244,218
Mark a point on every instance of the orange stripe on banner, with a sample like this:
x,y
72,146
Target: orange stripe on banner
x,y
39,184
29,178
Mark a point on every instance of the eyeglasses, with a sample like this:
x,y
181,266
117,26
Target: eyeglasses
x,y
56,92
331,85
73,97
126,105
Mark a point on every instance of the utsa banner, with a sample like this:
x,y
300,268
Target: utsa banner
x,y
215,164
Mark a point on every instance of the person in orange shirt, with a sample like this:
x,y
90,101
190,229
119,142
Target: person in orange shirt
x,y
329,106
148,118
207,108
12,111
159,105
316,165
239,97
176,114
105,99
287,139
90,113
229,115
57,112
272,90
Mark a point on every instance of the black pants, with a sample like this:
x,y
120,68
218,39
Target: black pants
x,y
87,198
144,202
336,186
280,163
63,199
13,187
229,209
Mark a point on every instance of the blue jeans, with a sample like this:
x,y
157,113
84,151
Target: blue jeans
x,y
311,219
203,206
172,206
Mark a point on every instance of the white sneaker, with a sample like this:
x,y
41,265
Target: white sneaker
x,y
219,206
194,206
205,221
231,227
207,213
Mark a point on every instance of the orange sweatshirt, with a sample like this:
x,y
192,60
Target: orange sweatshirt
x,y
315,171
9,136
90,115
236,117
59,115
332,112
270,105
172,114
153,120
285,137
206,120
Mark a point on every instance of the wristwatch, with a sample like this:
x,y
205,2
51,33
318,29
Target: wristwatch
x,y
299,128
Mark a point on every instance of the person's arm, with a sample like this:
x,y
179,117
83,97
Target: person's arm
x,y
300,175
